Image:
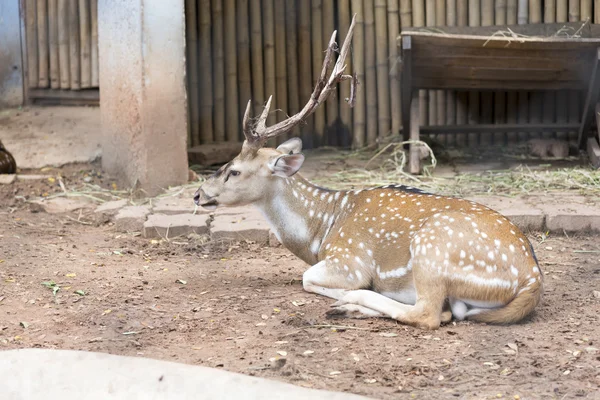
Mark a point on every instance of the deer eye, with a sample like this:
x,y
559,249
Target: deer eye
x,y
234,173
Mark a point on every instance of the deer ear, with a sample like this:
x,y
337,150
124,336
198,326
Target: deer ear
x,y
291,146
286,165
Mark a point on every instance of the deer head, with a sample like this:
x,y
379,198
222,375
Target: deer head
x,y
255,172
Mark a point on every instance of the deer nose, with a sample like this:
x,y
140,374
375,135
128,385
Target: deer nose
x,y
197,198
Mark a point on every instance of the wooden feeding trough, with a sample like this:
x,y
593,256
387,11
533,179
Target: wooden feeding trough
x,y
524,58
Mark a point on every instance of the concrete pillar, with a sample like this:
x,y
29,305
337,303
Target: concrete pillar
x,y
11,68
143,102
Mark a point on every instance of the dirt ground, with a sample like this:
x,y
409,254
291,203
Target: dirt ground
x,y
72,282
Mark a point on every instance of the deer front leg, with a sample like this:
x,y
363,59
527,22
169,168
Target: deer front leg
x,y
330,280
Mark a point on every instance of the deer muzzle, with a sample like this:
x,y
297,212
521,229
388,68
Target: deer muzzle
x,y
203,200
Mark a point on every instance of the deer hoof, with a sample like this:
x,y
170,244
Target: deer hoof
x,y
352,311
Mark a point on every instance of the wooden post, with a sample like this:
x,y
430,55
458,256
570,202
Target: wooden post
x,y
85,41
393,65
291,49
191,40
562,96
53,43
535,11
523,96
63,44
268,18
256,47
205,72
500,95
406,14
32,43
586,10
415,156
450,94
330,135
430,20
549,105
474,106
94,56
383,79
440,95
573,96
487,97
317,39
462,97
371,73
304,67
243,59
536,98
345,111
74,45
42,36
418,20
218,59
280,66
512,108
591,101
358,62
596,11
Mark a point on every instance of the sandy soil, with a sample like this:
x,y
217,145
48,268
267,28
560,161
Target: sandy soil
x,y
241,307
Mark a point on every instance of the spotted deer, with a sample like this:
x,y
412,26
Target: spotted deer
x,y
391,251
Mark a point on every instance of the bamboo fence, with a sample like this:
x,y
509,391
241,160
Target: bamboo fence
x,y
61,44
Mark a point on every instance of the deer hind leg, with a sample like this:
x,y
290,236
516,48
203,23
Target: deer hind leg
x,y
328,279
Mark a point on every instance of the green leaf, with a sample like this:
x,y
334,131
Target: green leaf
x,y
80,292
55,289
49,284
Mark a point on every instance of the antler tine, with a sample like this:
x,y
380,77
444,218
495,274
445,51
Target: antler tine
x,y
247,125
323,88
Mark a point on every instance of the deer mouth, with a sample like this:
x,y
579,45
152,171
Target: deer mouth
x,y
210,204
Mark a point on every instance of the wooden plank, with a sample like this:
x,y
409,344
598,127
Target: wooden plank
x,y
57,96
304,65
218,60
492,128
414,153
74,47
331,104
256,48
268,50
536,76
487,98
214,153
205,72
549,98
42,37
370,83
431,95
500,96
344,12
591,101
191,40
462,97
94,55
291,35
407,90
318,48
243,58
32,43
382,70
440,95
281,78
393,24
512,108
451,20
53,43
85,41
63,44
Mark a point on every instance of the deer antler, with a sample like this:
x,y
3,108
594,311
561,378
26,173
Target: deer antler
x,y
257,135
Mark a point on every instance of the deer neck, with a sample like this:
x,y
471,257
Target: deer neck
x,y
301,215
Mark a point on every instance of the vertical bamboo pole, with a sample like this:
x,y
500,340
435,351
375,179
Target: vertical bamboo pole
x,y
85,41
304,67
331,104
94,56
358,63
383,81
218,59
500,96
574,16
219,72
74,45
418,20
317,39
474,20
596,11
462,97
345,110
536,98
512,105
549,97
562,96
42,37
243,59
191,40
487,97
280,65
430,20
256,48
523,97
450,94
440,95
63,44
406,14
32,43
586,10
535,11
205,71
268,15
232,111
371,72
53,43
393,24
291,49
